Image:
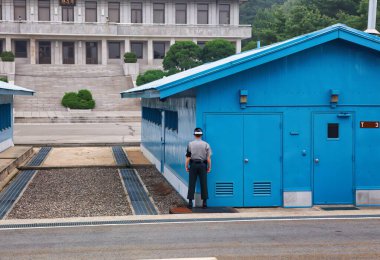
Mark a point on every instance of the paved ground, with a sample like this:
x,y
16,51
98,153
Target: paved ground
x,y
77,133
313,239
71,156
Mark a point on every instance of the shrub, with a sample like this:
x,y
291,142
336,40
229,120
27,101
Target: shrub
x,y
85,94
81,100
149,76
7,56
130,57
182,56
217,49
5,79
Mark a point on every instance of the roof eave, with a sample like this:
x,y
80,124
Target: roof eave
x,y
141,94
16,92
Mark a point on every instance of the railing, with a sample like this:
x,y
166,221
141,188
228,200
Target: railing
x,y
124,29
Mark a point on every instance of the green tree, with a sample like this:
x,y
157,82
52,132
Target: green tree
x,y
149,76
182,55
217,49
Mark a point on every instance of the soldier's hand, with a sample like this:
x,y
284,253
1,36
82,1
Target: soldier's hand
x,y
208,170
187,169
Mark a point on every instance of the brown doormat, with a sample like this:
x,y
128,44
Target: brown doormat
x,y
184,210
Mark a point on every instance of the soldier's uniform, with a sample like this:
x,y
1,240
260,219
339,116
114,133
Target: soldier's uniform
x,y
198,150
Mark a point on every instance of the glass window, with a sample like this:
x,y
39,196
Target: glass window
x,y
158,13
91,53
44,52
43,10
114,50
1,46
181,13
1,12
114,12
202,14
68,13
137,48
68,52
136,12
224,14
158,50
19,9
91,12
333,130
21,49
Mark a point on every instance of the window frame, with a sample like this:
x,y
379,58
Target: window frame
x,y
159,11
159,57
68,9
109,43
142,49
225,11
137,13
17,5
180,11
17,53
88,11
44,5
200,12
112,7
63,56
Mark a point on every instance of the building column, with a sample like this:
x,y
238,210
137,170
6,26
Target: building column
x,y
127,45
104,52
32,51
195,40
172,41
8,44
150,52
238,46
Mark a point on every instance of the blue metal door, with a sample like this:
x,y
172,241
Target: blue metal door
x,y
333,159
262,160
224,133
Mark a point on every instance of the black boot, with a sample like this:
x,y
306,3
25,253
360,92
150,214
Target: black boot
x,y
190,205
204,205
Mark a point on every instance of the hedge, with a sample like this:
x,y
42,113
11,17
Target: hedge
x,y
7,56
130,57
81,100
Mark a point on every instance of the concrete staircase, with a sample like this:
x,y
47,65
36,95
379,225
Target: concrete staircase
x,y
51,82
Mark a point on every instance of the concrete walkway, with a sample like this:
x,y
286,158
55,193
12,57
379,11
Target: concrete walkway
x,y
54,134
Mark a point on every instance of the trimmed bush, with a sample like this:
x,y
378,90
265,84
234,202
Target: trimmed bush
x,y
130,57
7,56
5,79
149,76
81,100
217,49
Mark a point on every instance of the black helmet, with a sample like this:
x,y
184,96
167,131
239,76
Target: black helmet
x,y
198,131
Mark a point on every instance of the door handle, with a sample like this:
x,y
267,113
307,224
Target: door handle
x,y
316,160
246,160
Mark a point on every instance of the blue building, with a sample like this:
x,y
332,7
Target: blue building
x,y
6,112
293,124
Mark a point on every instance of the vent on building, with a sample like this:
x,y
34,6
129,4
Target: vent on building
x,y
224,189
262,189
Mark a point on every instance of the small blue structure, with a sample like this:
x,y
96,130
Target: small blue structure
x,y
6,112
292,124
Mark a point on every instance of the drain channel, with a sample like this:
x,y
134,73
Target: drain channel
x,y
141,203
120,156
10,194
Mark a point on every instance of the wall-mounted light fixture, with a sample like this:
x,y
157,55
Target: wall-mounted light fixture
x,y
334,97
243,98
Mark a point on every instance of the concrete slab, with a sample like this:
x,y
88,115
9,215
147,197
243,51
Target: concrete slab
x,y
4,163
14,152
135,156
80,156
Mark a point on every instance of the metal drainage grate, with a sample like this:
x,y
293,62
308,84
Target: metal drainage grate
x,y
40,157
120,156
141,203
10,194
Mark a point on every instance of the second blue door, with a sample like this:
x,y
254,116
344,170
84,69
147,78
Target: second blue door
x,y
247,162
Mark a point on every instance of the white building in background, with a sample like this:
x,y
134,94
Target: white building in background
x,y
99,32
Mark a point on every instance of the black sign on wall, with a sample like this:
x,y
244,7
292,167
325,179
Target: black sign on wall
x,y
67,2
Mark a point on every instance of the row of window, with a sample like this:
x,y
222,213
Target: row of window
x,y
154,116
5,116
68,51
91,12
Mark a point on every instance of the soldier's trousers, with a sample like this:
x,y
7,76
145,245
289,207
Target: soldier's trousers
x,y
198,169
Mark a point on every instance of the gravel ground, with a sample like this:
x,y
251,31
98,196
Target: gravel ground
x,y
73,193
164,195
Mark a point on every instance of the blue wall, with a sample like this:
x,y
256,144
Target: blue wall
x,y
176,142
7,133
299,85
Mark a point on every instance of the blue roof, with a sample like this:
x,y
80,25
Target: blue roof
x,y
194,77
10,89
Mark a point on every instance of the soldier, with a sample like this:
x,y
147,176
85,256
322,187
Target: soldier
x,y
198,157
